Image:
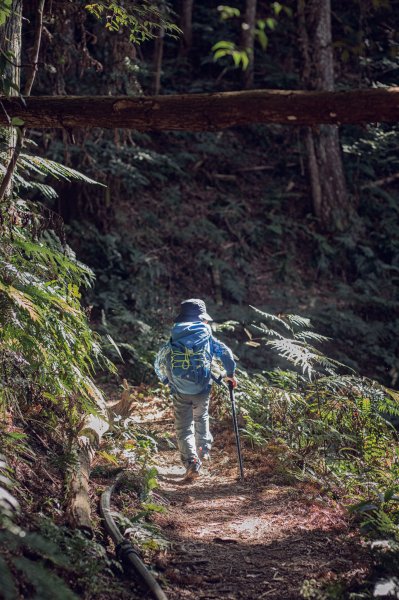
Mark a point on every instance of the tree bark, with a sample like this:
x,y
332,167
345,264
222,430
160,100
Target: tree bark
x,y
248,42
78,509
329,192
5,185
186,24
11,41
206,112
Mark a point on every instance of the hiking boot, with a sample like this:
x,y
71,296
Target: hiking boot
x,y
193,470
204,454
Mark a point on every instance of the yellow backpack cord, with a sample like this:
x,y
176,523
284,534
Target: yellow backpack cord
x,y
182,360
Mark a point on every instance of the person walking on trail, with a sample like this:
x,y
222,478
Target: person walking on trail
x,y
184,363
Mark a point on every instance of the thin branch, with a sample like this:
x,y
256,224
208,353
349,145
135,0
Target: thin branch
x,y
12,164
36,48
380,182
5,112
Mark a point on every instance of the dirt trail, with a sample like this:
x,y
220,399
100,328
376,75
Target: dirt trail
x,y
260,538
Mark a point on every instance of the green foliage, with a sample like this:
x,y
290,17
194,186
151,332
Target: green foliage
x,y
242,56
138,526
5,10
224,48
48,353
142,20
228,12
46,345
131,444
329,427
312,589
25,553
128,441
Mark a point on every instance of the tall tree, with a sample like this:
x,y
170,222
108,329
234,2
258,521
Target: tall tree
x,y
186,24
14,41
10,45
329,191
248,41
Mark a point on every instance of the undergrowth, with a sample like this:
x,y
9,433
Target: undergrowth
x,y
322,422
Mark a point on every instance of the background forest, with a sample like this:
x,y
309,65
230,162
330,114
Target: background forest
x,y
231,215
105,231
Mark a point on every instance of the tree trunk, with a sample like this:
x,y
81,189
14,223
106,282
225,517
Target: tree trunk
x,y
11,41
5,186
206,112
158,56
248,42
78,509
186,24
329,192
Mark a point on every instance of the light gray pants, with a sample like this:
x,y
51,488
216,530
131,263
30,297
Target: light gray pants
x,y
192,425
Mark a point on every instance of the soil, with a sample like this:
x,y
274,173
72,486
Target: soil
x,y
257,538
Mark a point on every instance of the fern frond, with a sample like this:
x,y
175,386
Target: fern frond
x,y
298,320
393,393
47,585
23,300
271,317
311,335
268,331
47,190
41,251
45,166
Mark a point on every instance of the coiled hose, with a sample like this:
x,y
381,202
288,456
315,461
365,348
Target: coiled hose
x,y
125,550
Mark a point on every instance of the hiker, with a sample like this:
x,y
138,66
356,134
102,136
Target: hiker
x,y
185,364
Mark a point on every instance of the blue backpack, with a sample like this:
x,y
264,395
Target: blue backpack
x,y
190,358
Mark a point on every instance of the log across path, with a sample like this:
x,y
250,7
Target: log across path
x,y
204,112
261,538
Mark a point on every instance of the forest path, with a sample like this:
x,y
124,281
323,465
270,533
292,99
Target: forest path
x,y
257,538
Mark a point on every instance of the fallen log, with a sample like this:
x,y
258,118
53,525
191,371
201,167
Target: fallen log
x,y
205,112
78,509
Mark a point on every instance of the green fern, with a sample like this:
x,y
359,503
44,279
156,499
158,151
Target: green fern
x,y
329,424
45,336
47,585
8,587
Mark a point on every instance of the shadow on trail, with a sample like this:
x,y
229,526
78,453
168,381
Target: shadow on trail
x,y
274,569
253,539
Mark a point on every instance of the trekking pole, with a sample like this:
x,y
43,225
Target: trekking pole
x,y
237,433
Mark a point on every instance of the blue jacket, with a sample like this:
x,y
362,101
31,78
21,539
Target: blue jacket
x,y
191,334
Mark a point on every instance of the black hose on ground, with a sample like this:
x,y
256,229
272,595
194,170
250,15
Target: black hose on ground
x,y
125,550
